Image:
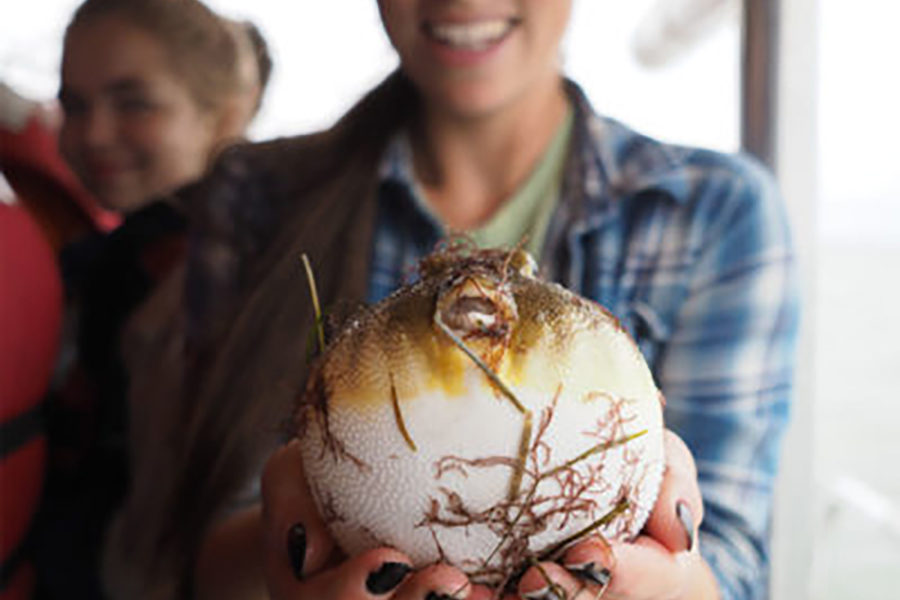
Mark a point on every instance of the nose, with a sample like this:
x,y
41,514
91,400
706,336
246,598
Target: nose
x,y
98,127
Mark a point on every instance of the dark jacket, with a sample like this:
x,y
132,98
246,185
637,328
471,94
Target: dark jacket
x,y
218,354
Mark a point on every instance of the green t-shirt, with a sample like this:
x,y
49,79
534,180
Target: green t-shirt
x,y
527,213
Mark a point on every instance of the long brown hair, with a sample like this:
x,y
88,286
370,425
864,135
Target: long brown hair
x,y
245,364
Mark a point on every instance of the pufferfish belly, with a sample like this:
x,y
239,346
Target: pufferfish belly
x,y
426,464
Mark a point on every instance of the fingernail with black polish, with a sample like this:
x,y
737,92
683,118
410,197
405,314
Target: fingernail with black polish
x,y
687,521
296,547
591,573
436,596
387,577
545,593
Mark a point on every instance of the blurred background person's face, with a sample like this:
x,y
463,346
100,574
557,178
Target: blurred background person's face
x,y
132,129
473,57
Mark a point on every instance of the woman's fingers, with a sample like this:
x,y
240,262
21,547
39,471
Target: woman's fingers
x,y
386,574
435,582
642,569
654,565
550,581
678,511
481,592
300,553
296,540
646,569
591,560
375,574
298,547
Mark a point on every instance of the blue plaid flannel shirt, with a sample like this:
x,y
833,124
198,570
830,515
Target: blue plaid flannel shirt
x,y
691,250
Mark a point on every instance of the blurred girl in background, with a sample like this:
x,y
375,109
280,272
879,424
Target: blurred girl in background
x,y
151,92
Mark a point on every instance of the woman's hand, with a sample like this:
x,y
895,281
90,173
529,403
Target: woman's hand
x,y
663,563
302,561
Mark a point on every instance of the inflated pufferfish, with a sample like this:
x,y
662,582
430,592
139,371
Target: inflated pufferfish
x,y
481,417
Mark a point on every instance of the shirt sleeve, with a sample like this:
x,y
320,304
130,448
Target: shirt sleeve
x,y
727,372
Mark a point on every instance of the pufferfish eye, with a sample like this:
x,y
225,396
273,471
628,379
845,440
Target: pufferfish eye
x,y
523,263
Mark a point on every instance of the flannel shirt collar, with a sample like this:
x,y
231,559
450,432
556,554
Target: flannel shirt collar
x,y
616,162
608,161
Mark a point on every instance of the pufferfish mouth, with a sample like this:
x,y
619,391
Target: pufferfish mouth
x,y
474,35
477,306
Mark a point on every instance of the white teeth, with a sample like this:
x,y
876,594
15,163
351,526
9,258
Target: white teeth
x,y
470,35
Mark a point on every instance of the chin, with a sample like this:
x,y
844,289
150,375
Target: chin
x,y
472,100
120,201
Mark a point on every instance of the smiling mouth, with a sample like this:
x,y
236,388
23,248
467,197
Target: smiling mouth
x,y
477,35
